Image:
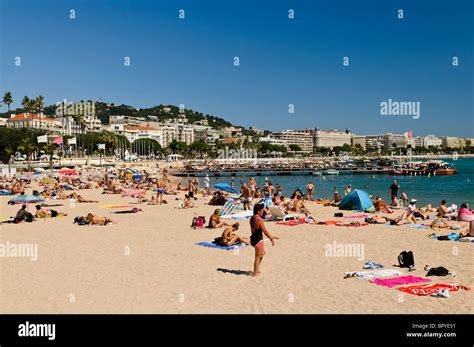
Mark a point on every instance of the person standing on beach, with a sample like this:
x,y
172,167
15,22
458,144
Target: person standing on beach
x,y
309,190
258,228
206,182
247,198
196,185
393,191
190,189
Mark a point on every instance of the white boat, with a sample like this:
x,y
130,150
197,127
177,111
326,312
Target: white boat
x,y
317,173
331,172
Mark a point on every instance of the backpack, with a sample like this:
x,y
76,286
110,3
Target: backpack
x,y
406,259
438,271
198,222
29,217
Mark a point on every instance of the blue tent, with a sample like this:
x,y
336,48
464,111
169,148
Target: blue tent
x,y
356,200
226,188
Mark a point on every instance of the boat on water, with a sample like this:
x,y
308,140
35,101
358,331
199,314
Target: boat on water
x,y
427,168
331,172
317,173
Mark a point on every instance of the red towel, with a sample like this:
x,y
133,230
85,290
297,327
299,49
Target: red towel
x,y
428,289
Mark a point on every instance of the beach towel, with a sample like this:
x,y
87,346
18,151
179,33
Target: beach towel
x,y
352,224
466,239
397,281
358,216
417,226
6,192
368,275
210,244
429,289
239,216
370,264
115,206
229,207
450,237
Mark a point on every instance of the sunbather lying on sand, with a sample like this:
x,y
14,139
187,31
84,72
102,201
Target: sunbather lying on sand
x,y
96,220
43,212
79,198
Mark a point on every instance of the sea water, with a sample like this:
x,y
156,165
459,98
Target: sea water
x,y
455,189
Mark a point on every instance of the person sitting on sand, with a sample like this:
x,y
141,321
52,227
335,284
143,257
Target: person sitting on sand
x,y
187,203
215,220
404,199
96,220
381,206
298,205
444,212
336,197
413,212
465,214
21,214
42,212
470,231
229,237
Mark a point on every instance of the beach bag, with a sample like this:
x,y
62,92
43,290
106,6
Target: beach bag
x,y
406,259
29,218
198,222
438,271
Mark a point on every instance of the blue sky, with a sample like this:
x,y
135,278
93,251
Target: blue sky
x,y
282,61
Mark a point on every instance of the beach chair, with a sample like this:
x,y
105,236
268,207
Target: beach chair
x,y
279,214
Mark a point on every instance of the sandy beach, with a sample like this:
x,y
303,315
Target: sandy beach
x,y
148,263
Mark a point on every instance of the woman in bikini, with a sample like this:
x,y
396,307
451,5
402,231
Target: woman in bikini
x,y
96,220
42,212
215,220
229,237
160,189
256,238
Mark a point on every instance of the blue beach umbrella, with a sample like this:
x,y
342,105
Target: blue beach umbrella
x,y
26,199
226,188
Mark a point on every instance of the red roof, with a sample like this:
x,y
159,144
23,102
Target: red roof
x,y
140,128
228,140
30,116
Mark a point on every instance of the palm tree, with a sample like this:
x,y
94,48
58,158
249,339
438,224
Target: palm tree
x,y
7,100
9,153
39,104
28,147
26,105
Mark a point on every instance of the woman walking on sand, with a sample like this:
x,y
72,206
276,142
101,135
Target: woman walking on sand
x,y
256,238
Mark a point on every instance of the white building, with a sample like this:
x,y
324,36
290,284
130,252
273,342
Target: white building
x,y
295,137
34,121
331,138
431,140
273,141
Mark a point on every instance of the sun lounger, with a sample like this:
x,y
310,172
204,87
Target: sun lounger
x,y
279,214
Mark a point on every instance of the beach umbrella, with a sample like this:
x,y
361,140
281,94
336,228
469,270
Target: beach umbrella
x,y
26,199
133,192
68,172
48,180
226,188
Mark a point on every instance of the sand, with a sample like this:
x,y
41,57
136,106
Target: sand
x,y
149,263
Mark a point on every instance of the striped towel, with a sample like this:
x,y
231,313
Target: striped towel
x,y
229,207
